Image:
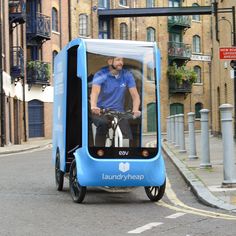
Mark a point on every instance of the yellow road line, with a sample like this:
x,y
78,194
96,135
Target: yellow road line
x,y
180,206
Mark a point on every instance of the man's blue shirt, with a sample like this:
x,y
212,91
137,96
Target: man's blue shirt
x,y
112,93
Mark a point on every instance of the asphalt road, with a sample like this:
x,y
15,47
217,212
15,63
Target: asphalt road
x,y
30,205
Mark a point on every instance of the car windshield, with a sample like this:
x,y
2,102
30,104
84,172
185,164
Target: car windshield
x,y
118,73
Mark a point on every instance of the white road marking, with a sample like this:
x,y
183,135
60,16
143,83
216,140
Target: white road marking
x,y
176,215
145,227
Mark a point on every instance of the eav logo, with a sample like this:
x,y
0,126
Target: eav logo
x,y
124,167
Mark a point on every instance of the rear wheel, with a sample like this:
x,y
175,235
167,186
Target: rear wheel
x,y
155,193
59,175
77,191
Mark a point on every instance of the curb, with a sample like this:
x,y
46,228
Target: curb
x,y
20,149
198,188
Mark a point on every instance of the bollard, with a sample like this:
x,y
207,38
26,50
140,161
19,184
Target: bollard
x,y
172,125
205,149
181,134
168,130
176,131
228,145
192,138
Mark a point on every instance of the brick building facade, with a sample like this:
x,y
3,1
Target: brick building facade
x,y
34,32
184,40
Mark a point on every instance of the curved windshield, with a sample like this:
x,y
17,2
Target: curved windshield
x,y
122,100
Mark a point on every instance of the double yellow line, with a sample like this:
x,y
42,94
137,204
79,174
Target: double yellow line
x,y
180,206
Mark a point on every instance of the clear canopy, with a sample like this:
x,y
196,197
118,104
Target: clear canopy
x,y
138,66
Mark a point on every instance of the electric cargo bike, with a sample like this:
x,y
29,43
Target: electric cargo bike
x,y
121,162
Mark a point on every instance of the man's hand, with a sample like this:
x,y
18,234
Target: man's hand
x,y
136,114
96,110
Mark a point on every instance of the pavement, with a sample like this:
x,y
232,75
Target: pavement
x,y
31,144
206,183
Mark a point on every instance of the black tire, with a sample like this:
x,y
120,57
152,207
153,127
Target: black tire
x,y
155,193
77,191
59,175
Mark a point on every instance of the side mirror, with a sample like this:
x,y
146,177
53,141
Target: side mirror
x,y
81,60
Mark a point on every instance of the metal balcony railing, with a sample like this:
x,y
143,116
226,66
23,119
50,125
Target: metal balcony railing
x,y
179,50
184,87
179,21
17,11
17,62
38,72
38,27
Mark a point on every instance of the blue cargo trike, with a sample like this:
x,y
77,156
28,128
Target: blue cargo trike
x,y
114,159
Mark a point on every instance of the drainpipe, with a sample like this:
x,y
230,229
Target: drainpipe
x,y
1,85
69,22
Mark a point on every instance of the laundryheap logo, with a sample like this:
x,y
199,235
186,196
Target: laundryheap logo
x,y
124,167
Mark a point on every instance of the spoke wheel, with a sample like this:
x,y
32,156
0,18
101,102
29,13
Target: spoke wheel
x,y
77,191
59,175
155,193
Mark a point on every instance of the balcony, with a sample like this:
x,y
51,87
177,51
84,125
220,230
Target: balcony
x,y
184,87
17,63
179,51
17,12
38,73
180,22
38,28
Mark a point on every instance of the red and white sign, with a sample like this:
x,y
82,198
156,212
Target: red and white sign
x,y
228,53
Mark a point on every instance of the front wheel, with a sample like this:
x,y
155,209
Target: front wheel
x,y
59,175
77,191
155,193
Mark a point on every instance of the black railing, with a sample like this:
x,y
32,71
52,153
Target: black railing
x,y
179,50
38,27
38,72
17,62
184,87
179,21
17,11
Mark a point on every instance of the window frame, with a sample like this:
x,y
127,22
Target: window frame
x,y
55,23
151,34
196,44
83,25
124,31
198,106
198,71
196,17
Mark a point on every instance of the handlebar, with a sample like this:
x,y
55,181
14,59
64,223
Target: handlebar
x,y
118,114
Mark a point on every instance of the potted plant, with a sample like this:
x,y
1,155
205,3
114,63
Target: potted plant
x,y
181,74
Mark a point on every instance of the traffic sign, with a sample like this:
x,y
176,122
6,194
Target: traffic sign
x,y
227,53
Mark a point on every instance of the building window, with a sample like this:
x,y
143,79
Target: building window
x,y
54,53
176,108
54,19
175,37
123,2
198,108
123,31
174,3
103,3
198,70
103,29
151,34
196,17
83,25
150,3
196,44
